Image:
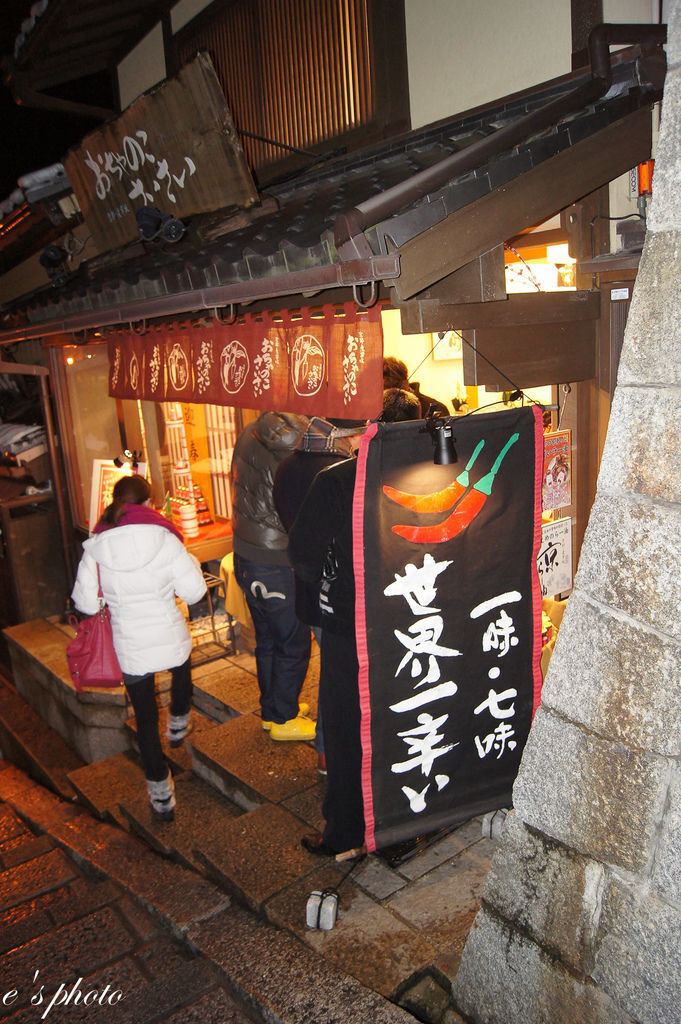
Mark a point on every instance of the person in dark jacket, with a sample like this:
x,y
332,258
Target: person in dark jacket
x,y
324,443
396,375
263,571
320,547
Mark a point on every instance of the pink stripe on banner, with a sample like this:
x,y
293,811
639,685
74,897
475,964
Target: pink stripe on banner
x,y
361,634
536,587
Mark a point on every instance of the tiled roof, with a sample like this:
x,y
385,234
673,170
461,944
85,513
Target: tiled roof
x,y
298,239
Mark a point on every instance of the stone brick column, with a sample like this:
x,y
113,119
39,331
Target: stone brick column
x,y
581,914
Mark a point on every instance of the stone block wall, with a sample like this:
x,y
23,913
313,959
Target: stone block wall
x,y
580,916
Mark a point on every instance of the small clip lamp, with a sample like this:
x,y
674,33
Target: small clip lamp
x,y
442,436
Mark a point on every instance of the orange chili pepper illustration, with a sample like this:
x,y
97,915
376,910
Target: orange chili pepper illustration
x,y
437,501
464,514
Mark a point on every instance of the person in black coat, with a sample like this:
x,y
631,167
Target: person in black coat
x,y
263,571
321,548
396,375
324,443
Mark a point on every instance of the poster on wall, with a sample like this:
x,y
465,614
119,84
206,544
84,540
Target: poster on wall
x,y
105,476
447,345
556,491
448,619
554,562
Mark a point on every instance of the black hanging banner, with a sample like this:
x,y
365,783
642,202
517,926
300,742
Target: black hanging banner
x,y
448,618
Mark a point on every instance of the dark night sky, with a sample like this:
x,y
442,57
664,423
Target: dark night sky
x,y
31,138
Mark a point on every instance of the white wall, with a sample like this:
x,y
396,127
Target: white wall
x,y
144,67
642,11
462,53
184,11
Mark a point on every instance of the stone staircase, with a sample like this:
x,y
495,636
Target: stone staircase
x,y
243,804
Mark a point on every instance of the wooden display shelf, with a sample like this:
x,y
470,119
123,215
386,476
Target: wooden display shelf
x,y
213,542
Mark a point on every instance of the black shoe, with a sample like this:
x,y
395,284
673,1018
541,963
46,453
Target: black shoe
x,y
314,843
163,815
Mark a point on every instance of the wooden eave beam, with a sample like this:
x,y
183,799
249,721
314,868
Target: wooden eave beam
x,y
520,309
529,199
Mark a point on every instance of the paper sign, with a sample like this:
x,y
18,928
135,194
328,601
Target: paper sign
x,y
554,563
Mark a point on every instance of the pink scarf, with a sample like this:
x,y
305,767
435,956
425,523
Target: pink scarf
x,y
143,515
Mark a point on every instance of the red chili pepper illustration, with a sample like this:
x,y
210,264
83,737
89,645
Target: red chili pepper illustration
x,y
462,516
437,501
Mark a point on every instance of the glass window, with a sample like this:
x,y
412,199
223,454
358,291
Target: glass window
x,y
88,419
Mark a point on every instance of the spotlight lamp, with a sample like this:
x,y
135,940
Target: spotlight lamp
x,y
442,435
152,224
128,458
53,259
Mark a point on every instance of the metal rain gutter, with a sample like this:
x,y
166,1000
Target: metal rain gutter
x,y
350,225
347,274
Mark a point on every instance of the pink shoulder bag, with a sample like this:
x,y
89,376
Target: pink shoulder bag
x,y
91,655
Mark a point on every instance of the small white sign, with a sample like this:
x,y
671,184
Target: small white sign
x,y
554,562
619,294
633,183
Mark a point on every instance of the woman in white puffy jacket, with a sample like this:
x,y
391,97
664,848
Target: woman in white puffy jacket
x,y
143,564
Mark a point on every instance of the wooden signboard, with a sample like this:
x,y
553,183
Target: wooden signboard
x,y
174,148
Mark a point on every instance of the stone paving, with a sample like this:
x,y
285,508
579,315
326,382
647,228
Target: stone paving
x,y
230,880
77,947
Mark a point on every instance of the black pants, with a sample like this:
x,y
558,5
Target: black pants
x,y
339,698
142,693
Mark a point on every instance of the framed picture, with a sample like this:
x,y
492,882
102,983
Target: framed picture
x,y
105,474
447,345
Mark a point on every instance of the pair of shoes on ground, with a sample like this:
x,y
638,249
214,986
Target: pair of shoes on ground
x,y
299,728
314,843
303,709
179,727
162,797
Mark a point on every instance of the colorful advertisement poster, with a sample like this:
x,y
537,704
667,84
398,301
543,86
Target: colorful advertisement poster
x,y
556,490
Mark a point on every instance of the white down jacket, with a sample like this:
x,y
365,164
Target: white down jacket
x,y
142,567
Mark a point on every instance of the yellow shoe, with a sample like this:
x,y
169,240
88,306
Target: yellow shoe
x,y
302,711
294,729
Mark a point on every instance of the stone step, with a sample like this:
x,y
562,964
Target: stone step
x,y
90,722
226,688
258,855
229,687
200,812
28,742
240,760
103,785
